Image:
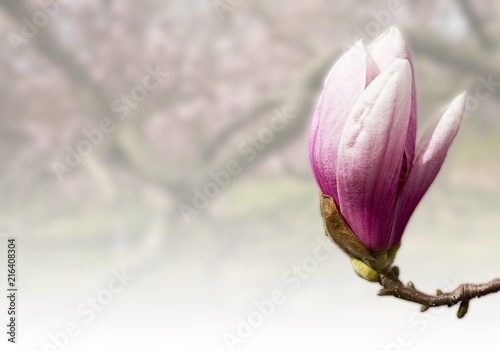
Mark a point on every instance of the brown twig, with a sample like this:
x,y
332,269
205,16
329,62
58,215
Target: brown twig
x,y
463,294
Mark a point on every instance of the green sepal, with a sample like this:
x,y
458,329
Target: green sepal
x,y
365,271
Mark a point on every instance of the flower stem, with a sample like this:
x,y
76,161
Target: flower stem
x,y
392,286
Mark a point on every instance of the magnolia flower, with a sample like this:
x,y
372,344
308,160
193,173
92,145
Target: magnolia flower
x,y
362,142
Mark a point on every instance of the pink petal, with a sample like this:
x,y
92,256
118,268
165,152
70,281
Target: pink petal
x,y
370,155
382,52
344,84
436,141
379,55
313,132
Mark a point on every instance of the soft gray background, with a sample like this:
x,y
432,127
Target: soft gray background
x,y
119,208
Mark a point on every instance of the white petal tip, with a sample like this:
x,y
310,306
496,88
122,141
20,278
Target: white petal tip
x,y
395,31
460,99
356,51
457,102
456,109
402,64
357,47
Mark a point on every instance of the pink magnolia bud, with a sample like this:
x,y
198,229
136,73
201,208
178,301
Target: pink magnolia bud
x,y
362,140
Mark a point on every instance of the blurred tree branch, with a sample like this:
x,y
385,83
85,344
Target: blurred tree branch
x,y
476,25
139,155
48,46
221,138
80,79
425,42
298,101
300,94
